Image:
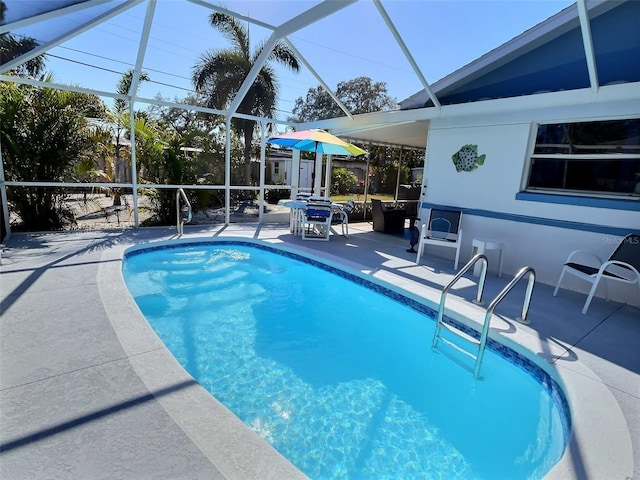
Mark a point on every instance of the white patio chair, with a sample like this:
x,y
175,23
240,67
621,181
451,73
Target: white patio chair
x,y
443,229
341,216
316,223
622,266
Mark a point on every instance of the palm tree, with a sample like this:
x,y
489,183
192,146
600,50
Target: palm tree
x,y
12,47
220,73
120,118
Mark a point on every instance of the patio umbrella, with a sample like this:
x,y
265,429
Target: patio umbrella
x,y
316,140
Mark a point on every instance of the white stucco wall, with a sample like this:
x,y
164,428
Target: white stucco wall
x,y
488,196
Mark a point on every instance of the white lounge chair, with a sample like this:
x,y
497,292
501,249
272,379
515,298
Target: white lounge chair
x,y
622,266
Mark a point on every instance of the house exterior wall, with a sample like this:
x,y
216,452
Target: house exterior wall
x,y
539,234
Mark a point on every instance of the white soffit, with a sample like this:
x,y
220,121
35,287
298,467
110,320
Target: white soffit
x,y
412,134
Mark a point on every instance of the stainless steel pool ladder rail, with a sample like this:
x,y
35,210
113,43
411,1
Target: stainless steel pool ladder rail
x,y
478,301
181,219
494,303
482,342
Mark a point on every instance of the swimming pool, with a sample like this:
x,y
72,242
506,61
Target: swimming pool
x,y
338,374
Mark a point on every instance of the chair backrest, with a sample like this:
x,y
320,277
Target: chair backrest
x,y
443,223
376,205
318,211
319,199
628,251
348,206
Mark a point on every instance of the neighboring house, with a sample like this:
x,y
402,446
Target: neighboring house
x,y
279,169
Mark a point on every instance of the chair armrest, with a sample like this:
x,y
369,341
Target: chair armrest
x,y
441,236
623,267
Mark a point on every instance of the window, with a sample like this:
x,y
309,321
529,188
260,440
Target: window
x,y
595,158
276,168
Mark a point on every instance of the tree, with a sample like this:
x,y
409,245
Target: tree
x,y
44,135
359,95
121,120
159,152
219,75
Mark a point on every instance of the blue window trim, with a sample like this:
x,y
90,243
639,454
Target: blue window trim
x,y
549,222
612,203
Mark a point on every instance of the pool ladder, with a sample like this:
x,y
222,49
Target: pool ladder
x,y
183,214
482,341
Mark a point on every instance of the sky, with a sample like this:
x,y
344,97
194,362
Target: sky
x,y
442,36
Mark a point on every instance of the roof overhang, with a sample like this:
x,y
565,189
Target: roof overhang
x,y
409,128
410,134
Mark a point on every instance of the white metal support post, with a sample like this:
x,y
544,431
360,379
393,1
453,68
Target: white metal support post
x,y
327,177
317,174
366,184
134,174
3,195
135,81
398,175
264,128
295,172
227,171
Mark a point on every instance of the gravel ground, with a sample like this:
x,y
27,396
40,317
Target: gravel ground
x,y
99,213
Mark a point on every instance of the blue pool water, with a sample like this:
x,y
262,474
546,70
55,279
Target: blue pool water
x,y
338,377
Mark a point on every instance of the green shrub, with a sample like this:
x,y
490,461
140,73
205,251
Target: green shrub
x,y
343,181
274,195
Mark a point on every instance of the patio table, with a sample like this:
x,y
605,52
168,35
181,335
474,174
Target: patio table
x,y
296,208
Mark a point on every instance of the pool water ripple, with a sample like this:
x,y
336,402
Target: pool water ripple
x,y
341,380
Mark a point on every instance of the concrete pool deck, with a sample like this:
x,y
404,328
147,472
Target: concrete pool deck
x,y
88,391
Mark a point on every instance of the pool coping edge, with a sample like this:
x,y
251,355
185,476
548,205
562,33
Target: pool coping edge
x,y
594,449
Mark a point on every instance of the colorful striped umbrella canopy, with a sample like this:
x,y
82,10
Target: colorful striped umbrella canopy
x,y
316,140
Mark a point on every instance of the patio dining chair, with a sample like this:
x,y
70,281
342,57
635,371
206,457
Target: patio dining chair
x,y
444,230
623,265
316,221
341,216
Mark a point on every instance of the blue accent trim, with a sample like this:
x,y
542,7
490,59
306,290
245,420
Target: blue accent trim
x,y
549,222
612,203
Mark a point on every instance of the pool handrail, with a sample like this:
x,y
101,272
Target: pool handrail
x,y
494,303
478,300
179,217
